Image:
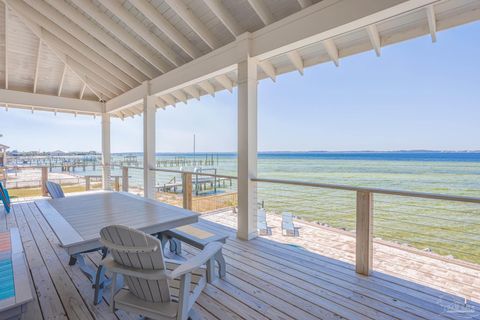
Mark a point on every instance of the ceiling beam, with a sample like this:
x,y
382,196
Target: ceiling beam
x,y
139,28
375,39
129,40
50,33
37,66
37,31
296,60
101,75
152,14
432,22
304,3
86,65
269,69
219,10
262,11
62,80
332,51
320,21
120,56
323,20
56,23
35,100
193,22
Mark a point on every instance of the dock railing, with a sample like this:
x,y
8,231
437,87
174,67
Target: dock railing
x,y
447,226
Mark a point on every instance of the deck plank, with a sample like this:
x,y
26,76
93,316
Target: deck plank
x,y
74,273
267,278
75,307
49,301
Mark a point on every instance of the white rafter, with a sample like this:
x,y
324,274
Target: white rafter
x,y
128,39
170,100
193,92
218,9
37,66
432,22
50,33
375,39
160,104
296,60
62,80
119,52
269,69
180,96
225,82
304,3
207,87
262,11
332,51
37,31
53,21
82,91
101,76
166,27
139,28
193,22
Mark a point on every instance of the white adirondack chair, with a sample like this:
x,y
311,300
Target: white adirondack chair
x,y
262,226
157,288
288,228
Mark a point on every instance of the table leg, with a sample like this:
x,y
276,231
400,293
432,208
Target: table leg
x,y
100,281
222,266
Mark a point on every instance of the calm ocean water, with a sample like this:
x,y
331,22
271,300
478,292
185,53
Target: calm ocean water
x,y
440,172
444,227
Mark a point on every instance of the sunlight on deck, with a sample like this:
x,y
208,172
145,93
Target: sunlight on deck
x,y
275,277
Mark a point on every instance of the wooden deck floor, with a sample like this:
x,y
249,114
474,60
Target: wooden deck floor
x,y
311,277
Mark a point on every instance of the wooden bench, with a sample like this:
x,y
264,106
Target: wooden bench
x,y
198,237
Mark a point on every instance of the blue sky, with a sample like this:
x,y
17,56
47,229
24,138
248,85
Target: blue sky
x,y
417,95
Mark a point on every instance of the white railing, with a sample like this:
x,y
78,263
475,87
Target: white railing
x,y
445,224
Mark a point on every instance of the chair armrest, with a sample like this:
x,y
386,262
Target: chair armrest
x,y
112,266
197,261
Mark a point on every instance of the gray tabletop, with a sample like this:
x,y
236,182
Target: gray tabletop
x,y
77,220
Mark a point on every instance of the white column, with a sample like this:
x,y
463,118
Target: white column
x,y
149,110
106,152
247,149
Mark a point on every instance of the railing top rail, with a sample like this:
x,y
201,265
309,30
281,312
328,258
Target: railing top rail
x,y
372,190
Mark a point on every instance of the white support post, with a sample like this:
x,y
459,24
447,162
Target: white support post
x,y
247,149
106,153
149,110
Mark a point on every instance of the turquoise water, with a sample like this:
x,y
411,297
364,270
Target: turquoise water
x,y
444,227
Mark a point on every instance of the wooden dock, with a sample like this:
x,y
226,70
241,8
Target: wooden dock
x,y
310,277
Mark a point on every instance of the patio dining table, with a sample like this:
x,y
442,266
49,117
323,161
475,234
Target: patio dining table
x,y
77,221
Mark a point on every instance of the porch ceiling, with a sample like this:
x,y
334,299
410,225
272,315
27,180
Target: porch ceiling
x,y
63,52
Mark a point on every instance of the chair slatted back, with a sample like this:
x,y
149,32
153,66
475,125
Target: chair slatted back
x,y
54,189
287,221
5,198
148,257
261,219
